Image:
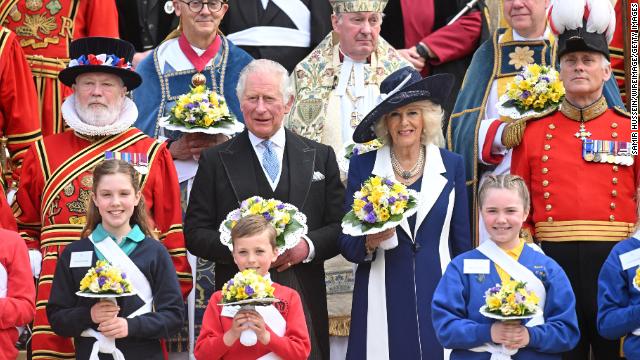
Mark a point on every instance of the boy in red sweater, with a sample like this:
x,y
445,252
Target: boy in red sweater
x,y
254,247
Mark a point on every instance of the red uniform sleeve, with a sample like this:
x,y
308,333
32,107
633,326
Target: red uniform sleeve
x,y
26,207
18,308
210,344
18,100
455,41
162,197
520,166
487,156
7,221
96,18
295,343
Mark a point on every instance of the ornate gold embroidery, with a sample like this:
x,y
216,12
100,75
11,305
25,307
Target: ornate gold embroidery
x,y
521,57
36,23
54,7
309,109
15,14
69,190
33,5
87,181
78,220
80,206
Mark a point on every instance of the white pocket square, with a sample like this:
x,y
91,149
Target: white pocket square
x,y
317,176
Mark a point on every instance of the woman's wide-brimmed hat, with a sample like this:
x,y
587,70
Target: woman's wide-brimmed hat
x,y
403,87
101,54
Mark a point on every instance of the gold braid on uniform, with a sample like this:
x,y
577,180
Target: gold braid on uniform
x,y
513,133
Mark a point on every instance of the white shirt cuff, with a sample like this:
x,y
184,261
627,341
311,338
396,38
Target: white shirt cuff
x,y
312,250
498,147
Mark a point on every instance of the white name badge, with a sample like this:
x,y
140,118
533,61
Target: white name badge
x,y
630,259
229,311
81,259
476,266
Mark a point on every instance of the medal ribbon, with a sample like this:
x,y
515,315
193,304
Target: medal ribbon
x,y
199,62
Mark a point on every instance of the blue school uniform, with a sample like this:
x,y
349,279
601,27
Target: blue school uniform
x,y
618,299
460,326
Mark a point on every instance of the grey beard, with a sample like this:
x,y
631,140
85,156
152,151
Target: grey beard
x,y
99,116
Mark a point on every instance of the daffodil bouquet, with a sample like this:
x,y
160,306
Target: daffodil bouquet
x,y
201,110
350,149
103,279
379,205
247,285
290,223
536,91
510,300
245,291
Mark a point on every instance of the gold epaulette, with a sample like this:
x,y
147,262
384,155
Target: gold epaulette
x,y
622,111
514,131
525,234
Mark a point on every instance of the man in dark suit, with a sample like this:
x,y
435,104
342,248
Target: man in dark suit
x,y
272,162
280,30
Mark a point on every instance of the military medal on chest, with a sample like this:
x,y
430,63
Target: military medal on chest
x,y
607,151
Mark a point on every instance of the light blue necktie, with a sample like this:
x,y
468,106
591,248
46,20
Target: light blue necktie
x,y
270,160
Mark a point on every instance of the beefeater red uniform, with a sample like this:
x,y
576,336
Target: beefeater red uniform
x,y
45,28
52,202
19,121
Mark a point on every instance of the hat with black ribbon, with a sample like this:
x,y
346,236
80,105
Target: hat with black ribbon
x,y
101,54
583,25
400,88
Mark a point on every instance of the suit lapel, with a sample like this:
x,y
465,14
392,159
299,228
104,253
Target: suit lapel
x,y
382,168
432,184
237,159
301,167
270,13
248,10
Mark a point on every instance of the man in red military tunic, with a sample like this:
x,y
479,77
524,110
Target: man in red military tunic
x,y
18,114
45,28
56,173
578,166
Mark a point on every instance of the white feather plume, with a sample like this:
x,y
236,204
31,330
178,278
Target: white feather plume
x,y
602,17
567,15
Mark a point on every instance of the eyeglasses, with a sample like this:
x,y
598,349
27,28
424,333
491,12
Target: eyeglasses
x,y
197,5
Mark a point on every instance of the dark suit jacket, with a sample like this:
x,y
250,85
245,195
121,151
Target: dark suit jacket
x,y
244,14
226,176
144,24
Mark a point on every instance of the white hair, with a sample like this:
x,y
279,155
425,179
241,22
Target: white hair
x,y
265,66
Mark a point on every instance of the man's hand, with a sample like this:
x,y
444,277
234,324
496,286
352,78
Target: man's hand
x,y
103,311
190,145
116,328
413,57
293,256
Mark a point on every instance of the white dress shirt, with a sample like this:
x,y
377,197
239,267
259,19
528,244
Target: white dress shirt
x,y
278,141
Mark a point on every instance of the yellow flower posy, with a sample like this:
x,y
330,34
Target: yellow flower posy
x,y
536,88
247,284
511,298
105,279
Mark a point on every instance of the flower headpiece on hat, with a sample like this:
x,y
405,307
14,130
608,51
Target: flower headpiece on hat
x,y
349,6
583,25
102,55
101,59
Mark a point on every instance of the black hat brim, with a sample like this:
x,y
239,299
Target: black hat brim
x,y
435,88
581,40
130,78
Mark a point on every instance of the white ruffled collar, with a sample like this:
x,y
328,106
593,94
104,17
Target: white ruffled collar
x,y
127,117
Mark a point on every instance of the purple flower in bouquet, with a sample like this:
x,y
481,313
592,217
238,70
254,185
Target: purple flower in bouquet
x,y
249,290
370,218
